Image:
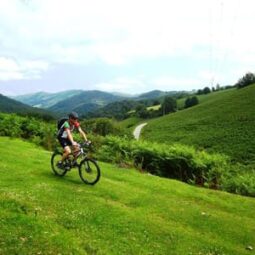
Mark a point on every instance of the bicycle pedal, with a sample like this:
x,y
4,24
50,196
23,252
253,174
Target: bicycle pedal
x,y
67,168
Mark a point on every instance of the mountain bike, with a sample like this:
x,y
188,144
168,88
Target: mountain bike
x,y
89,170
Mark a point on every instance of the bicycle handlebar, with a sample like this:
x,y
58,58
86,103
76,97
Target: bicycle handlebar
x,y
85,144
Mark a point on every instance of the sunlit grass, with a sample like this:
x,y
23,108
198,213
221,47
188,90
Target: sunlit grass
x,y
222,122
125,213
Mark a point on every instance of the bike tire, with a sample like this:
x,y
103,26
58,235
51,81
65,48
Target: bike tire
x,y
89,171
56,156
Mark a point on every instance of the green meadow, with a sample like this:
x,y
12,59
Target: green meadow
x,y
127,212
222,122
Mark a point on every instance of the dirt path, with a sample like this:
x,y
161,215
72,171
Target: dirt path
x,y
137,130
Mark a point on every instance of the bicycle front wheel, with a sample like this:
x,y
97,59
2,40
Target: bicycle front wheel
x,y
89,171
55,158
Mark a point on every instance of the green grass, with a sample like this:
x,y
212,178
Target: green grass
x,y
125,213
130,123
154,107
223,122
204,98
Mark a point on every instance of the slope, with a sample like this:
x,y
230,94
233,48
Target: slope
x,y
223,122
156,94
9,105
84,102
44,99
125,213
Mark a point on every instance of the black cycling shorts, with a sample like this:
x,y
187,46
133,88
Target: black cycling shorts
x,y
64,142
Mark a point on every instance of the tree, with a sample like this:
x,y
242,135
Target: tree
x,y
200,92
169,105
189,102
141,111
206,90
246,80
156,102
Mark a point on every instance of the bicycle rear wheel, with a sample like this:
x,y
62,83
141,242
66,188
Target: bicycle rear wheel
x,y
89,171
55,158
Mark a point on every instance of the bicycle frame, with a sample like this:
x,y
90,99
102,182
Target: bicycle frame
x,y
80,153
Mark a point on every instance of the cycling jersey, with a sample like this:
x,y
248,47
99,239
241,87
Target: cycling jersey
x,y
65,126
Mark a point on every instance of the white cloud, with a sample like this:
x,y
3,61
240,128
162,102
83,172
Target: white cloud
x,y
115,31
10,69
123,85
36,35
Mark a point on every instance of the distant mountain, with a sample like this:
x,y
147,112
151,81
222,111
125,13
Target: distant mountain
x,y
85,108
126,95
152,94
155,94
46,100
85,101
88,101
8,105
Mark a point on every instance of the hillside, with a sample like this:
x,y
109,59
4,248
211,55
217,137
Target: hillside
x,y
223,121
45,100
83,102
118,110
156,94
125,213
8,105
93,102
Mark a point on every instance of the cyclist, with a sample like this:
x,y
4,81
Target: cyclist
x,y
65,136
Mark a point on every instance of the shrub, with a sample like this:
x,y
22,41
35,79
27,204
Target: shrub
x,y
177,161
191,101
103,127
28,128
239,180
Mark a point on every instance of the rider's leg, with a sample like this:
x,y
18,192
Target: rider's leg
x,y
67,152
76,150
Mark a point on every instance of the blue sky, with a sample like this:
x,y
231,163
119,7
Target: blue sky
x,y
128,46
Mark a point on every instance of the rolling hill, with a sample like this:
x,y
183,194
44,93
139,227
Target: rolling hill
x,y
117,110
125,213
155,94
84,102
8,105
223,122
89,101
45,100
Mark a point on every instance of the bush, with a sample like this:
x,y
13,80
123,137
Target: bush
x,y
28,128
103,127
177,161
191,101
239,180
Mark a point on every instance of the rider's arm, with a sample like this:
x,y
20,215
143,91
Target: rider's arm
x,y
82,133
70,136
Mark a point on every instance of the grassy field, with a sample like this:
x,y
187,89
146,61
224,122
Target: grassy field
x,y
223,122
154,107
125,213
130,123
